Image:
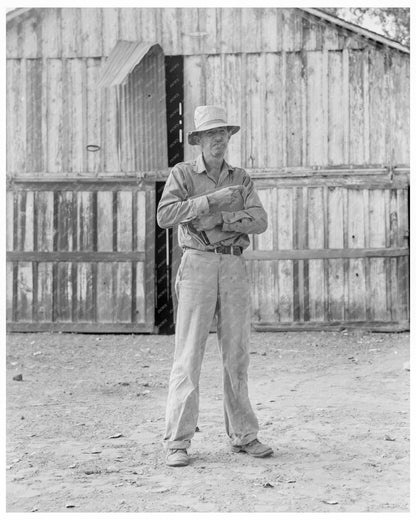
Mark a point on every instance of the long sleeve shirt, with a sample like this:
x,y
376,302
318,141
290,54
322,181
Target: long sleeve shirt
x,y
184,199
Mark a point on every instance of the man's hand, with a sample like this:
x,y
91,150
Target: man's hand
x,y
207,222
222,199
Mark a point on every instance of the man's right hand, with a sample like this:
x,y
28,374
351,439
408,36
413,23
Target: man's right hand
x,y
221,200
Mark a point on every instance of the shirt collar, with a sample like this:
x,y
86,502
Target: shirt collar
x,y
199,165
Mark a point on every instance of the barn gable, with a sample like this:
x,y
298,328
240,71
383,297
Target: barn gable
x,y
93,32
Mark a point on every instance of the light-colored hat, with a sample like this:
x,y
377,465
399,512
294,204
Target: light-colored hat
x,y
207,117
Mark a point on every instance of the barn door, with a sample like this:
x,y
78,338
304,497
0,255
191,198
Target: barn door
x,y
81,252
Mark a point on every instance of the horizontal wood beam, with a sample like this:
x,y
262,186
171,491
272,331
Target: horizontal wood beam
x,y
307,254
97,328
75,256
137,178
371,326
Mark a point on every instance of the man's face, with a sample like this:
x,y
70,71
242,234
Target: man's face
x,y
214,142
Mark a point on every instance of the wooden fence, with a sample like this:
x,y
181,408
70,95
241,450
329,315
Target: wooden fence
x,y
80,252
335,253
80,255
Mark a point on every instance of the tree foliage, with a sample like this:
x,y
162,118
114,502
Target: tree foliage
x,y
393,22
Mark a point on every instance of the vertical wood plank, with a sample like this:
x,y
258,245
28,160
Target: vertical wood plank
x,y
65,221
356,238
44,232
194,79
187,21
122,291
9,291
55,115
377,107
336,280
84,297
63,300
336,290
29,220
128,24
91,23
294,109
292,34
265,240
104,220
105,292
71,32
74,108
229,30
251,30
150,25
94,115
124,221
24,292
34,137
9,220
207,18
150,254
269,36
84,231
141,220
110,32
51,33
265,273
256,129
16,115
315,237
44,296
317,135
140,293
335,218
400,97
232,102
286,297
171,32
356,67
274,112
346,103
335,110
109,130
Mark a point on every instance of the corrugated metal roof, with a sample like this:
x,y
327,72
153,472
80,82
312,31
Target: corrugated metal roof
x,y
122,61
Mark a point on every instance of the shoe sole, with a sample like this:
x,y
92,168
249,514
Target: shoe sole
x,y
266,453
178,463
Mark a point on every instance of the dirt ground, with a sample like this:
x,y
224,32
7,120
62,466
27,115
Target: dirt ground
x,y
84,426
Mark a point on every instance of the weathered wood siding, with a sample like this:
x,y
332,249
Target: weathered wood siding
x,y
305,92
330,107
81,256
335,253
93,32
55,112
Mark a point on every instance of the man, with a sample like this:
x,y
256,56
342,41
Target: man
x,y
216,207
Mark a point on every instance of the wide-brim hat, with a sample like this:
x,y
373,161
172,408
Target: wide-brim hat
x,y
207,117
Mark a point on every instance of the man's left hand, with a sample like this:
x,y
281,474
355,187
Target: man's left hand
x,y
207,222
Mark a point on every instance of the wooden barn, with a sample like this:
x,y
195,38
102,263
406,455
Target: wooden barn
x,y
98,103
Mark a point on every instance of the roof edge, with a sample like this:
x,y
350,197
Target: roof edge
x,y
366,33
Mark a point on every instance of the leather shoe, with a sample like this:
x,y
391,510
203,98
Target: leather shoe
x,y
254,448
177,457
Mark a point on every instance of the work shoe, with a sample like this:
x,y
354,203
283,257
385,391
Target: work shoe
x,y
177,457
254,448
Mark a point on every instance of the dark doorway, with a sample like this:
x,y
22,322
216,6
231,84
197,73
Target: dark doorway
x,y
164,314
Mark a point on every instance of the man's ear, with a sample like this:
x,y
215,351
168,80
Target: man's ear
x,y
197,138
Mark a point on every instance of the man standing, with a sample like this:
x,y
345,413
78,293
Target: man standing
x,y
216,207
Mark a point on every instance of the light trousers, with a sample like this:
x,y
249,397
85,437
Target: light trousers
x,y
209,284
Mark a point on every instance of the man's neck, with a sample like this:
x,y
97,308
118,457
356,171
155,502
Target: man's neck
x,y
213,164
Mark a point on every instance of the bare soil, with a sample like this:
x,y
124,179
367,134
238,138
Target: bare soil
x,y
84,426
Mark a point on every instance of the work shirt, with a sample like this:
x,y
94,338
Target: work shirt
x,y
184,199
